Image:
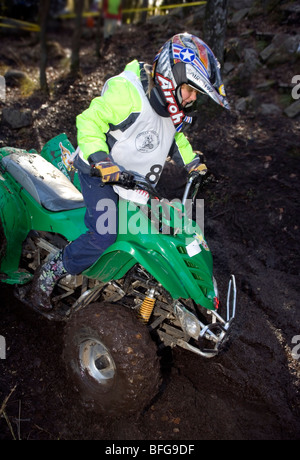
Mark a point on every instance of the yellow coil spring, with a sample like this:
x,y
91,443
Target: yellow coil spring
x,y
146,309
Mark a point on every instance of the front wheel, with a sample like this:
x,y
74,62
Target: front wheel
x,y
112,359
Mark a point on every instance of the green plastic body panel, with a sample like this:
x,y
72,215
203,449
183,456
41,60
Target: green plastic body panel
x,y
19,216
69,223
58,151
15,223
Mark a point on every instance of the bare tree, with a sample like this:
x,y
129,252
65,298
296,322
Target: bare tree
x,y
215,25
44,14
75,57
145,4
99,33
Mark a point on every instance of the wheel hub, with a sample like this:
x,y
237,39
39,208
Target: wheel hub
x,y
97,361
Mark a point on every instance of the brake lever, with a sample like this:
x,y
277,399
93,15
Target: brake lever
x,y
94,172
128,180
136,181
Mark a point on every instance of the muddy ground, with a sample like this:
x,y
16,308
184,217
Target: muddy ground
x,y
249,392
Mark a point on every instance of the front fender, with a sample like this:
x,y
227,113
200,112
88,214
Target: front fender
x,y
165,259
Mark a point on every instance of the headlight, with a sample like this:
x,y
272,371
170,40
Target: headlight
x,y
192,327
189,323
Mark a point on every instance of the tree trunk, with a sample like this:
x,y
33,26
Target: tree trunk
x,y
75,57
99,33
145,4
215,26
44,14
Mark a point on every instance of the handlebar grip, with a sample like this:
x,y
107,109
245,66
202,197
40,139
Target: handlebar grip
x,y
195,175
127,180
94,172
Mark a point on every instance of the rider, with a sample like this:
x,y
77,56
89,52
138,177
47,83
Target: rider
x,y
134,125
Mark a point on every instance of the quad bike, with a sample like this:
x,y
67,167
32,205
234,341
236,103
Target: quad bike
x,y
151,288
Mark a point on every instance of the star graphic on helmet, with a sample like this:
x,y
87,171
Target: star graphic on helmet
x,y
187,55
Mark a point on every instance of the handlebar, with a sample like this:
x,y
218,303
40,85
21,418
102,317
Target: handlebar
x,y
135,181
195,179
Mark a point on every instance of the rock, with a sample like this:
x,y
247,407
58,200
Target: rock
x,y
283,48
15,78
266,85
55,51
240,4
267,52
239,16
291,8
269,109
241,104
16,118
228,67
291,13
266,36
245,71
293,110
250,102
234,50
251,60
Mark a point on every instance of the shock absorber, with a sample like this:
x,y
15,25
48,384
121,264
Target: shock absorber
x,y
147,306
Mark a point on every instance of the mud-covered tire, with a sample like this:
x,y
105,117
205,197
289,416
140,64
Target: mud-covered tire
x,y
112,359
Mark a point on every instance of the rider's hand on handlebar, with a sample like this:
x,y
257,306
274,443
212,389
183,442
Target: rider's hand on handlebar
x,y
200,169
108,170
197,165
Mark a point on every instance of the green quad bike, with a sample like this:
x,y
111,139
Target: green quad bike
x,y
153,287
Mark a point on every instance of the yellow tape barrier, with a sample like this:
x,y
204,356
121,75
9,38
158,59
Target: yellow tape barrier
x,y
136,10
164,7
18,24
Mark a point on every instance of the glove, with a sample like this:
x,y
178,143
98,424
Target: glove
x,y
197,164
200,169
108,170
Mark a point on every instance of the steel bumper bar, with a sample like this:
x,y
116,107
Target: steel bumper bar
x,y
215,332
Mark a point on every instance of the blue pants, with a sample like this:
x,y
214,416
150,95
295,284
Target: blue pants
x,y
101,219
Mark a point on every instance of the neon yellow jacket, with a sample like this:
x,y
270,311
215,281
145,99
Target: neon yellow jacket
x,y
118,110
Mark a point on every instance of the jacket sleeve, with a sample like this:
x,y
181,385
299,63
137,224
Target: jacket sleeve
x,y
116,104
181,151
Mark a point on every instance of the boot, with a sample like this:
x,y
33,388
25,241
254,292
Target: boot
x,y
44,281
